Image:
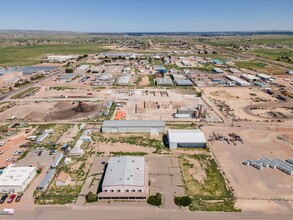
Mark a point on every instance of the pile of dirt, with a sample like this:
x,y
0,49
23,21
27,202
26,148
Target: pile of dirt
x,y
83,110
62,104
35,115
83,107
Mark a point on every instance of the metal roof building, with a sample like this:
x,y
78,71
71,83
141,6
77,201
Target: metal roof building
x,y
218,70
165,81
67,76
16,179
265,77
133,126
183,82
237,80
124,79
42,137
186,139
77,150
47,180
249,77
125,178
57,159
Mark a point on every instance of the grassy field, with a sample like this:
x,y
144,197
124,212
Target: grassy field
x,y
284,55
23,93
210,194
29,55
260,67
250,64
133,140
256,40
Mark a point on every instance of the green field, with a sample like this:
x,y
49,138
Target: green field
x,y
252,40
30,55
284,55
250,64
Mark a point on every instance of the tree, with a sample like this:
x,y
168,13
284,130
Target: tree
x,y
68,70
182,201
155,200
91,197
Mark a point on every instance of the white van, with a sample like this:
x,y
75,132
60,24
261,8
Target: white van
x,y
7,212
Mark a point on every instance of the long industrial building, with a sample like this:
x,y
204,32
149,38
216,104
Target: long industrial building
x,y
186,139
133,126
16,179
125,178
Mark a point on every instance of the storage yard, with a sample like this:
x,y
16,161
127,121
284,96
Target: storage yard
x,y
268,184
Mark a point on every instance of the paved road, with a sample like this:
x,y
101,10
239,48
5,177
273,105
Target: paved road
x,y
129,213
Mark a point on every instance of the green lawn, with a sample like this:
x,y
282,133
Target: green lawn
x,y
29,55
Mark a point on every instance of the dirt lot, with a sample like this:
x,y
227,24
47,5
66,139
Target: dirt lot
x,y
239,98
50,111
144,81
10,146
121,147
165,177
249,182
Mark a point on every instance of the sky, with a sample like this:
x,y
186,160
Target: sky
x,y
146,15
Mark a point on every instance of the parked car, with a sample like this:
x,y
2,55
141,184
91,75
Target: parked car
x,y
55,152
7,212
2,143
40,153
3,198
1,152
24,145
18,197
11,159
11,198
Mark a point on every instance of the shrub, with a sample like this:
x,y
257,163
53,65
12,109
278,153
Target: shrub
x,y
182,201
68,70
155,200
91,197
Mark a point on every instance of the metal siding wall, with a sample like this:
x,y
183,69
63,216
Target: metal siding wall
x,y
133,129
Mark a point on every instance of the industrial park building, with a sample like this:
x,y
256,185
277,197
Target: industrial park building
x,y
186,139
133,126
16,179
125,178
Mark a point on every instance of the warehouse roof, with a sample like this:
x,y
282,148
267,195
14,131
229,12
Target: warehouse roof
x,y
186,136
16,176
164,81
183,82
218,70
67,76
126,170
134,123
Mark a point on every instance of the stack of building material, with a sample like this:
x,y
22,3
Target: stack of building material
x,y
285,166
120,115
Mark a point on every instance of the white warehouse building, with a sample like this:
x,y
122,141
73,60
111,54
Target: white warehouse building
x,y
16,179
133,126
125,177
186,139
